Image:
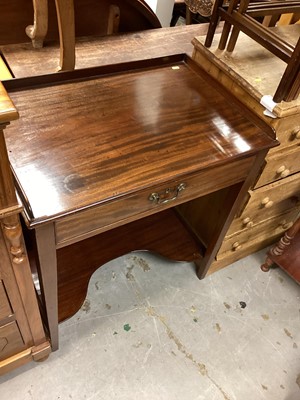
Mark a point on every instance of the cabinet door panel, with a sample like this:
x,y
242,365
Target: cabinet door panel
x,y
11,341
5,309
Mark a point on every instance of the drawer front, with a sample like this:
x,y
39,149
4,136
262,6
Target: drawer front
x,y
266,230
5,309
280,165
109,215
11,341
287,131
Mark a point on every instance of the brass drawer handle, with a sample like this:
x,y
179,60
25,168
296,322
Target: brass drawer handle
x,y
163,197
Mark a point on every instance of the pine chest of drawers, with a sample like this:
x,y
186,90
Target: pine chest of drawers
x,y
273,203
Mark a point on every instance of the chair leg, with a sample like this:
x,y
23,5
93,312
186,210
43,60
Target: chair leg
x,y
214,20
113,19
235,31
188,16
267,265
227,26
38,30
66,25
289,86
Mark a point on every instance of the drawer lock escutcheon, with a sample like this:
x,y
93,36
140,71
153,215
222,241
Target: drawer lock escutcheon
x,y
170,194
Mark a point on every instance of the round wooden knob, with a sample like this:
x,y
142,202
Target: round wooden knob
x,y
266,202
282,171
296,134
286,225
236,246
247,222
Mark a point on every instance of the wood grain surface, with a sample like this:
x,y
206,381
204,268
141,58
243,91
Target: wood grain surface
x,y
81,143
92,51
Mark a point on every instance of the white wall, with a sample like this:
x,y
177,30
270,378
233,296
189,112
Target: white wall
x,y
163,9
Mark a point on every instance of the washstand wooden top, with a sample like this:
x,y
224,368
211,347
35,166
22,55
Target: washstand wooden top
x,y
92,136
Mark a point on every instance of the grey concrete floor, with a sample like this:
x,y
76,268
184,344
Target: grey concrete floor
x,y
149,329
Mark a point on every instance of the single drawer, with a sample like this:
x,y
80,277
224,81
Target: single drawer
x,y
287,132
5,309
11,341
280,165
112,214
266,230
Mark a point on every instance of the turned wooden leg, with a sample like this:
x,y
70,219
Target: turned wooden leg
x,y
47,266
281,246
267,265
13,233
38,30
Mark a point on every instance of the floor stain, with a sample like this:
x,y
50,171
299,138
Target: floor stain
x,y
243,304
298,380
227,306
264,387
97,285
200,366
86,306
295,346
127,327
129,274
281,279
288,333
193,309
282,387
108,306
265,317
141,263
218,327
278,343
136,346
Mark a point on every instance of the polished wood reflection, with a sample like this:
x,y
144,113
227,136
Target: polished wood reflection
x,y
71,148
